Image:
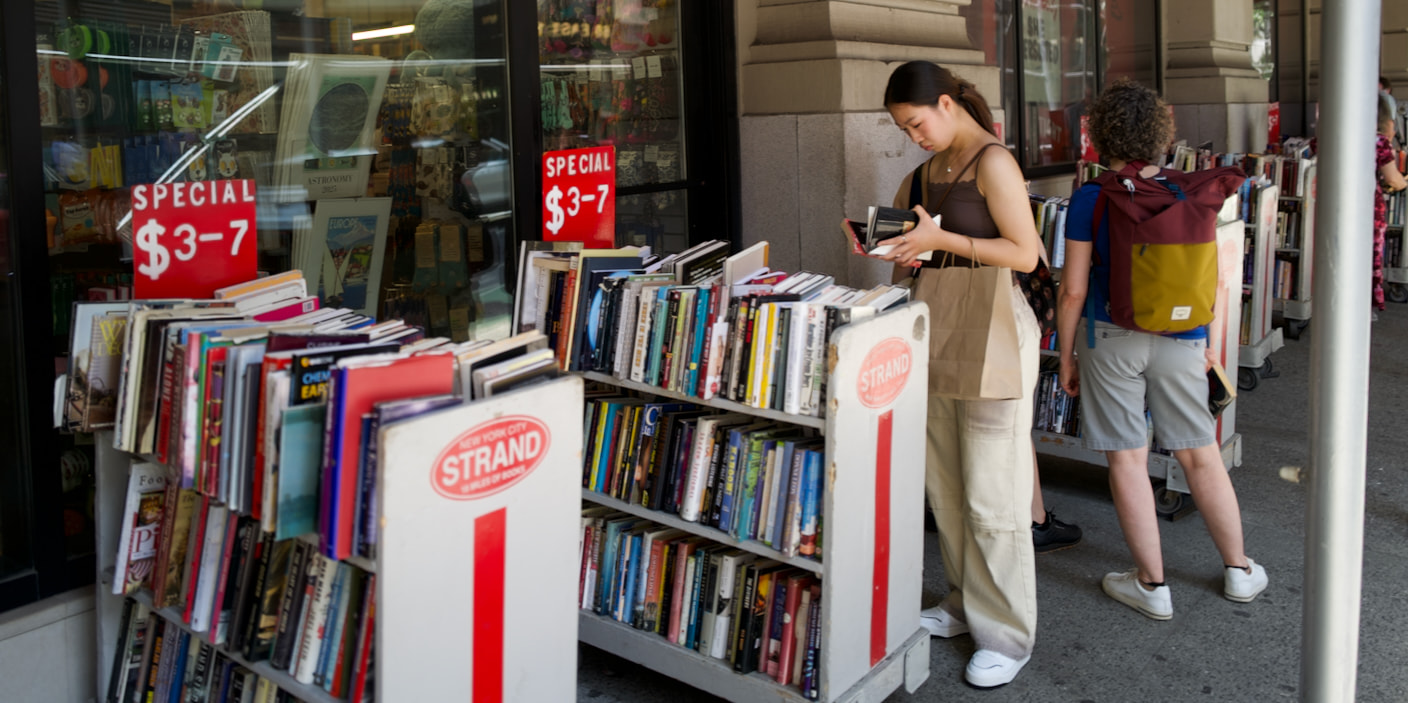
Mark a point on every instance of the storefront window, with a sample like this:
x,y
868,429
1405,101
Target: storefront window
x,y
612,75
1129,41
14,489
1058,63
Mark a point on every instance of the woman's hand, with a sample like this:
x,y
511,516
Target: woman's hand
x,y
1070,376
925,236
1209,358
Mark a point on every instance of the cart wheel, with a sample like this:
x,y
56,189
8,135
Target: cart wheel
x,y
1247,379
1167,502
1294,328
1397,292
1267,371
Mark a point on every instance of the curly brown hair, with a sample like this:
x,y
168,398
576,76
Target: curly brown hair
x,y
1130,123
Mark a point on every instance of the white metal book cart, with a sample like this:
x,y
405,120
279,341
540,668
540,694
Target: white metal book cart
x,y
471,554
1296,308
872,548
1171,485
1396,252
1254,358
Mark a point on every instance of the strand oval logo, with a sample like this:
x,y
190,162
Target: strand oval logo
x,y
490,457
883,373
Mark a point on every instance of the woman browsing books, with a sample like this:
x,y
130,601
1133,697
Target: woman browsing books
x,y
979,460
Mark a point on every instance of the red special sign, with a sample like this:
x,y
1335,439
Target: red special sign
x,y
490,457
883,373
579,196
188,239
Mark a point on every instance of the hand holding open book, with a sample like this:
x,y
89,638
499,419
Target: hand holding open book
x,y
872,237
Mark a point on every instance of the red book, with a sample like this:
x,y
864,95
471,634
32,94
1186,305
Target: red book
x,y
193,550
786,656
653,574
362,382
686,548
268,366
168,393
565,314
364,644
216,624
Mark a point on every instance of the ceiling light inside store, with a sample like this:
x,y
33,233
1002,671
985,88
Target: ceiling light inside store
x,y
383,32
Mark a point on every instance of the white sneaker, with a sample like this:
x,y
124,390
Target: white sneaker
x,y
1242,587
1125,588
988,668
940,623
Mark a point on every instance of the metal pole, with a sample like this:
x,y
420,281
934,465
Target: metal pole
x,y
1339,352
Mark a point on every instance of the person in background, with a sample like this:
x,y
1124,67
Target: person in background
x,y
1387,179
1048,533
978,473
1125,369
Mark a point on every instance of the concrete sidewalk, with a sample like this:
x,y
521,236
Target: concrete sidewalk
x,y
1090,648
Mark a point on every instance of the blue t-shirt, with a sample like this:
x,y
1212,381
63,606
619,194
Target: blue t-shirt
x,y
1080,219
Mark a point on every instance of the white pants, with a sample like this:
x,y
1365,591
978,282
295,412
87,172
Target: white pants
x,y
979,481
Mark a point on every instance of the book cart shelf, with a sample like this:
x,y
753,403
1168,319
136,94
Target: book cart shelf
x,y
1396,249
871,554
446,627
1171,486
1260,339
1296,309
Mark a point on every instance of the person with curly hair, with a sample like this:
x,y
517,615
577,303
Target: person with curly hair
x,y
1118,370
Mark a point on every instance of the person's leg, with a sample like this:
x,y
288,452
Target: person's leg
x,y
1134,504
943,482
1038,506
1217,501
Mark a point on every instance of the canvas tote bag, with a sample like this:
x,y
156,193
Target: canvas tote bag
x,y
973,352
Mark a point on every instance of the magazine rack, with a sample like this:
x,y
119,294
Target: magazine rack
x,y
872,550
445,625
1261,338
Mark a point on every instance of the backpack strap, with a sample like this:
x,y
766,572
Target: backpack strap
x,y
916,186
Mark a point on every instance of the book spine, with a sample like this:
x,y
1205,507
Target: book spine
x,y
250,630
809,667
317,613
644,317
290,602
681,577
696,593
772,637
194,544
651,612
811,504
743,616
173,361
359,691
700,453
117,672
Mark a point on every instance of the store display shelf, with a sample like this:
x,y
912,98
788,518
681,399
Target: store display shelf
x,y
818,423
282,679
694,528
685,665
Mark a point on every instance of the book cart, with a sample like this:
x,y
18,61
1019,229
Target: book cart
x,y
871,557
1396,249
1295,263
467,557
1171,484
1259,338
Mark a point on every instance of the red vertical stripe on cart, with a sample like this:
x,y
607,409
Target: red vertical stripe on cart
x,y
488,671
880,596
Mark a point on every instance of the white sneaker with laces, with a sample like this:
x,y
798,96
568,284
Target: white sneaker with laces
x,y
940,623
1242,587
1125,588
988,668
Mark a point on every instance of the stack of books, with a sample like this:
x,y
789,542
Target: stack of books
x,y
700,323
251,506
757,614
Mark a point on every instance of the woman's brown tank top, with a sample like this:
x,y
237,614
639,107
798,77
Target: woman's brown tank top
x,y
963,209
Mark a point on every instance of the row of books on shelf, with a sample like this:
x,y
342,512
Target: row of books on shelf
x,y
1290,233
1050,215
756,614
278,420
1393,249
755,480
248,599
680,324
1284,284
1286,170
1054,410
1245,337
1397,214
1249,194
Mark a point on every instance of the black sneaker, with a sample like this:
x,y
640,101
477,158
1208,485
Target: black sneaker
x,y
1054,535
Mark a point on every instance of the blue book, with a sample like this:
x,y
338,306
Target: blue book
x,y
633,574
384,414
778,517
599,483
701,335
735,440
607,577
300,466
339,584
623,574
178,667
811,502
654,357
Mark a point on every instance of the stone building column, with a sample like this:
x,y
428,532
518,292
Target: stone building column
x,y
1393,51
816,143
1216,93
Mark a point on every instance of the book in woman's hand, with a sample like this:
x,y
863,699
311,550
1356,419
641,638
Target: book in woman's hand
x,y
882,223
